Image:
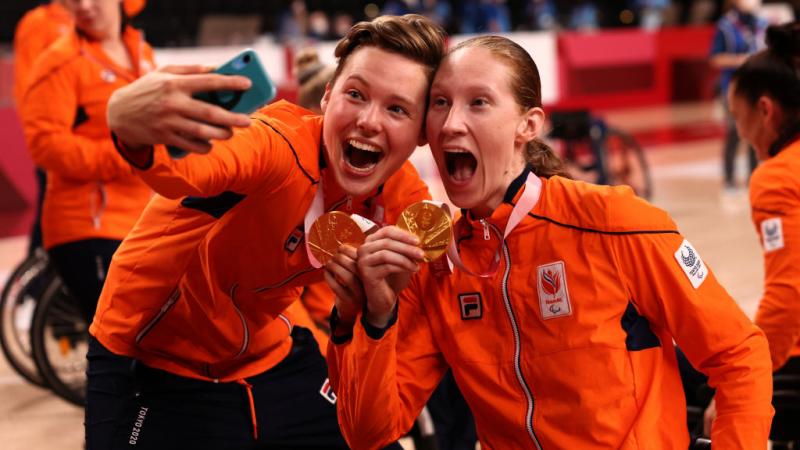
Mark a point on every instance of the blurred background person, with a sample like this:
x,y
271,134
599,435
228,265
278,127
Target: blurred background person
x,y
740,32
312,76
36,31
764,99
93,198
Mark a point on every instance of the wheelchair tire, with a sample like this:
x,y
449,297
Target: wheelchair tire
x,y
17,305
625,163
59,338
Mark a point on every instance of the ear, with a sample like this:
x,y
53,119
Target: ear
x,y
323,102
769,111
531,125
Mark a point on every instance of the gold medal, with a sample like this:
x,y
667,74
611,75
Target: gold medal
x,y
431,224
330,231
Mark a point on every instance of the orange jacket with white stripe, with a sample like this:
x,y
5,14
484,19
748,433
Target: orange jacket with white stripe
x,y
775,203
201,285
570,344
92,192
36,31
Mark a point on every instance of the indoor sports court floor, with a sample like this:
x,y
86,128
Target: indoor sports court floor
x,y
683,147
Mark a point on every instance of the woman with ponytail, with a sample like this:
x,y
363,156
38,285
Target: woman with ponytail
x,y
560,313
765,101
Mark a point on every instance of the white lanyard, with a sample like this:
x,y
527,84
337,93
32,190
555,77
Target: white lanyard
x,y
314,211
528,199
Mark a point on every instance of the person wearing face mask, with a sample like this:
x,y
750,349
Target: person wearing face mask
x,y
93,198
559,317
764,95
200,293
739,33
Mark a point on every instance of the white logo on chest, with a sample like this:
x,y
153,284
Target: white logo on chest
x,y
108,76
552,287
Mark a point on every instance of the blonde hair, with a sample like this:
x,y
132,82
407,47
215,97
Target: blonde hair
x,y
312,77
527,88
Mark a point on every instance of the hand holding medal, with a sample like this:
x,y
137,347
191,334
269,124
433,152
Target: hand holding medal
x,y
334,229
431,223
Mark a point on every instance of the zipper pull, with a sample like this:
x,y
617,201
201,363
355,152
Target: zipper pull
x,y
349,203
486,235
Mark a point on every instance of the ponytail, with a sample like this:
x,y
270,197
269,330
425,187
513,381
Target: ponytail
x,y
543,160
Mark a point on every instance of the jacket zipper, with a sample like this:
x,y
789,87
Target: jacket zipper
x,y
517,344
161,313
246,341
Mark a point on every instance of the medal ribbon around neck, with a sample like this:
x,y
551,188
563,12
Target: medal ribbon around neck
x,y
528,199
314,211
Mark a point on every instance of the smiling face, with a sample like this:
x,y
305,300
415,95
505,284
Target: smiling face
x,y
476,129
373,116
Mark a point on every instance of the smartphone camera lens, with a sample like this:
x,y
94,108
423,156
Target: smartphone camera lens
x,y
246,59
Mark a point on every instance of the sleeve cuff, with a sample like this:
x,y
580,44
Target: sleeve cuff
x,y
140,159
339,338
375,332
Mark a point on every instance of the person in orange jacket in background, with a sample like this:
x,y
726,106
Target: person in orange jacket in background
x,y
765,94
558,323
35,32
93,198
199,294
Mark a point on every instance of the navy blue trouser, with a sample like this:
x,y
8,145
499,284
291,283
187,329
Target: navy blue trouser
x,y
132,406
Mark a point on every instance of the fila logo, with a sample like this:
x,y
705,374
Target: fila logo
x,y
551,285
471,305
772,233
327,391
294,239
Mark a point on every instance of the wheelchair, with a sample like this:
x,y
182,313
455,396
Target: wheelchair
x,y
595,152
42,333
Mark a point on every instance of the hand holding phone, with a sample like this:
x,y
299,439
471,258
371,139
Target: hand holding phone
x,y
262,90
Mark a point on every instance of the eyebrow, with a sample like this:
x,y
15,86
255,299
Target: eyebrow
x,y
394,97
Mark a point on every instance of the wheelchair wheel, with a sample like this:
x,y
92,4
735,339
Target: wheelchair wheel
x,y
17,304
625,163
59,340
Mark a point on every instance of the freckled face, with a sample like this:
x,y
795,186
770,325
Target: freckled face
x,y
373,117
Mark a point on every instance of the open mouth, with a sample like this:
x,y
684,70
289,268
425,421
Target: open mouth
x,y
362,157
461,164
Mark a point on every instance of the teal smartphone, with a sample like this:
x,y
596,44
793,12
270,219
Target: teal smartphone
x,y
248,65
261,91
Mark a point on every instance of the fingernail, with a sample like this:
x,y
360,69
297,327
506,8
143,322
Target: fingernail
x,y
420,254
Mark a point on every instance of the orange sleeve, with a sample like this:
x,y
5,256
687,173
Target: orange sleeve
x,y
48,114
26,47
254,158
382,382
709,327
318,300
779,310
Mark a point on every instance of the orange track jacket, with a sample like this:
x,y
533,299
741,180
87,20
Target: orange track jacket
x,y
775,203
570,344
91,191
36,31
201,286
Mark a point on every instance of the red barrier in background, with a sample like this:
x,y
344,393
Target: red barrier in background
x,y
600,70
631,67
